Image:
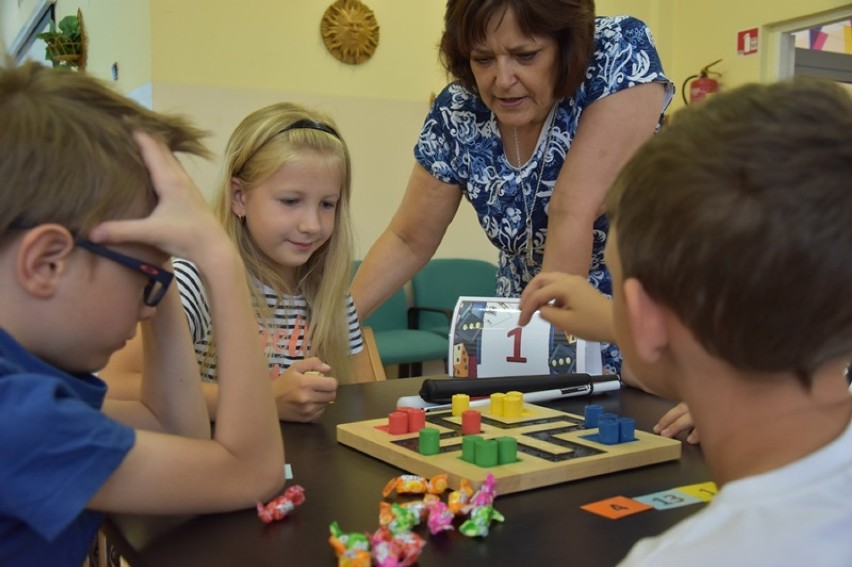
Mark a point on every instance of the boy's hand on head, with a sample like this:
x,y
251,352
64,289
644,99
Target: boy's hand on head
x,y
675,421
570,303
301,394
181,223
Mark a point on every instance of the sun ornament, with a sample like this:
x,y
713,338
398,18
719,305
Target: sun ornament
x,y
350,31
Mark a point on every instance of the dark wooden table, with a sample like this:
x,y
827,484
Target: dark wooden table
x,y
545,525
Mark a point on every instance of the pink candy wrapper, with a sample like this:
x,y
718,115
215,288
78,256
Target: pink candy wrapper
x,y
280,507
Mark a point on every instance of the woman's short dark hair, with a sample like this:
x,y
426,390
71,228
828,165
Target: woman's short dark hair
x,y
570,22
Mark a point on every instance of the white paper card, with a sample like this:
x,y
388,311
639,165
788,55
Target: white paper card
x,y
486,341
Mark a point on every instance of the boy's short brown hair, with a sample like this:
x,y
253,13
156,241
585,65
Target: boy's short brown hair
x,y
67,154
738,217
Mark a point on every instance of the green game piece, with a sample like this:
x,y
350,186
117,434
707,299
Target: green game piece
x,y
486,453
469,448
507,450
430,441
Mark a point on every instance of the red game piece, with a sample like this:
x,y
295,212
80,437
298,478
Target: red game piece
x,y
471,422
416,419
397,423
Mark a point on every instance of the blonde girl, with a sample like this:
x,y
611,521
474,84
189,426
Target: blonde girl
x,y
284,199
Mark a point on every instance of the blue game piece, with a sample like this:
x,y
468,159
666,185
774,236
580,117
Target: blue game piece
x,y
626,428
593,413
608,430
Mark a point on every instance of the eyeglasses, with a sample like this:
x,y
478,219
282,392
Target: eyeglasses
x,y
158,278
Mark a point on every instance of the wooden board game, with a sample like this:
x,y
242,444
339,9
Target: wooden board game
x,y
553,447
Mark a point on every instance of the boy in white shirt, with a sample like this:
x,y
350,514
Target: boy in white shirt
x,y
732,291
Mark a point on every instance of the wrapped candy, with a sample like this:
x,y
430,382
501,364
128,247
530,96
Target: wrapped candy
x,y
458,500
400,518
388,512
480,520
355,558
279,507
486,494
395,550
440,517
413,484
347,543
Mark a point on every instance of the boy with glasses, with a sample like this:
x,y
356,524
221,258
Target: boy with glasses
x,y
92,205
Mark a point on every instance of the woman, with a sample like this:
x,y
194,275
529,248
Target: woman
x,y
534,78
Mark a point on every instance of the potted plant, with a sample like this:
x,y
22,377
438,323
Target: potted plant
x,y
66,47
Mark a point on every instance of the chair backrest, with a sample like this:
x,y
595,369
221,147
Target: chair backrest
x,y
390,315
368,364
442,281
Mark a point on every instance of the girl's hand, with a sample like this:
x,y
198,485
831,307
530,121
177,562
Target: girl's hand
x,y
570,303
675,421
303,391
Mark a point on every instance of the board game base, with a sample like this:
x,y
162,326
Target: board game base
x,y
552,447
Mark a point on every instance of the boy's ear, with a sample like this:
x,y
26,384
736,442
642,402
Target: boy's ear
x,y
238,195
647,321
42,258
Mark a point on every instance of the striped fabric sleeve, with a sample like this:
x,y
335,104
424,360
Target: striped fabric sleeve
x,y
356,340
193,297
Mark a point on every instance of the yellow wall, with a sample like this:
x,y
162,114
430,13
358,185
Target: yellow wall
x,y
701,32
218,60
277,45
119,32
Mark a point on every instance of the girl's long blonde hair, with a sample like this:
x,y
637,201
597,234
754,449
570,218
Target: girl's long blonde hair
x,y
259,147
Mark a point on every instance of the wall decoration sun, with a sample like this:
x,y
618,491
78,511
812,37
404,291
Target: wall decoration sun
x,y
350,31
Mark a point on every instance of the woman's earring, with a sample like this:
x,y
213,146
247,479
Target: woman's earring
x,y
242,218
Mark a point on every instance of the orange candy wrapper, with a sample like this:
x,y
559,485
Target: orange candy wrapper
x,y
413,484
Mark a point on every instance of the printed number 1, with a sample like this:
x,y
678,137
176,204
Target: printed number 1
x,y
516,355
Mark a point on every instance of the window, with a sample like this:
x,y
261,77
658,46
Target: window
x,y
25,45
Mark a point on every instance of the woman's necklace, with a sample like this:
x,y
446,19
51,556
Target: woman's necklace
x,y
528,210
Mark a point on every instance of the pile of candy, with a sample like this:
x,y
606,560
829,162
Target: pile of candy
x,y
280,507
394,543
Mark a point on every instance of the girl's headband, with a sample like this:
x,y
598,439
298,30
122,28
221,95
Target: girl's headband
x,y
297,125
311,124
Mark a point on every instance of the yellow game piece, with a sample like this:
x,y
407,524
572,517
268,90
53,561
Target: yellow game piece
x,y
461,403
497,403
513,405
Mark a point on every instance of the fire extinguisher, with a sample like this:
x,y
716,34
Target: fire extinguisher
x,y
702,86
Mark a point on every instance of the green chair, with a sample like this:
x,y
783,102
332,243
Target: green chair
x,y
397,343
438,286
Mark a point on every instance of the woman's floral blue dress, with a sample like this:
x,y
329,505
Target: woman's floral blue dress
x,y
460,144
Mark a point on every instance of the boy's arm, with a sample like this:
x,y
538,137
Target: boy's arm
x,y
299,396
570,303
243,462
123,372
123,375
160,384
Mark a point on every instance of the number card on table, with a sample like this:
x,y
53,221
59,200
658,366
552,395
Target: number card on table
x,y
486,341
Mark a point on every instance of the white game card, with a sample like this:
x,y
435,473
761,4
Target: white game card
x,y
486,341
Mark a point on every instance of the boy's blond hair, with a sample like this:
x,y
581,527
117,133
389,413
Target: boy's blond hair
x,y
67,154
